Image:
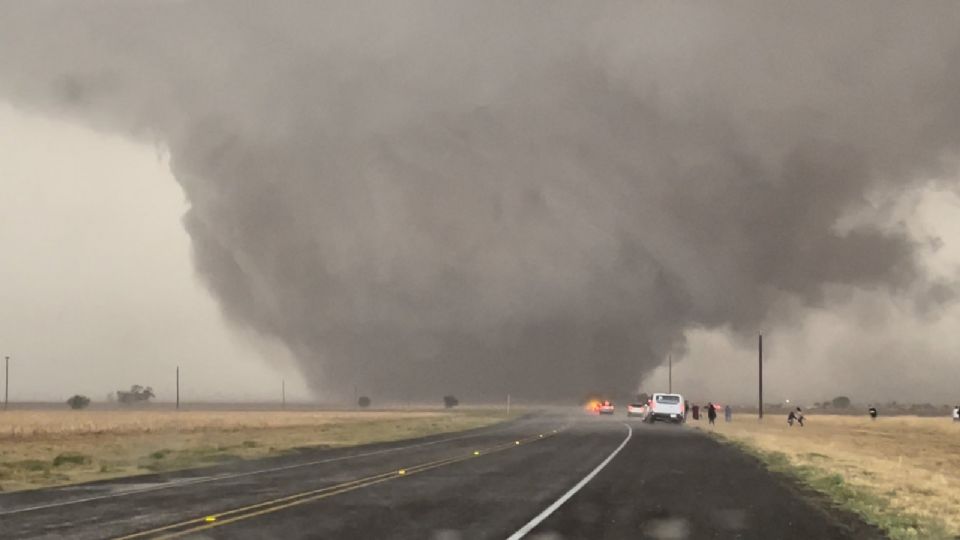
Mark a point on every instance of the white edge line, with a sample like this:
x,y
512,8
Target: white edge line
x,y
204,480
532,524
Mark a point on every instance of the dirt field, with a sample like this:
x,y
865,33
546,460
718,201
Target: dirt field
x,y
44,447
898,465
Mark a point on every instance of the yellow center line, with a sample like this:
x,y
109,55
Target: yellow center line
x,y
273,501
297,502
343,488
273,505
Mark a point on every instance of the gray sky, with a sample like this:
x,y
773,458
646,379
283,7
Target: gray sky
x,y
538,198
97,291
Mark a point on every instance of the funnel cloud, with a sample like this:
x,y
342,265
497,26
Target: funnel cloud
x,y
536,198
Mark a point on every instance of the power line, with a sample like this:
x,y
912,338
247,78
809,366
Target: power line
x,y
760,392
6,383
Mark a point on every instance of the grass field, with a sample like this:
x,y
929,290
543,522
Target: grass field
x,y
901,473
45,447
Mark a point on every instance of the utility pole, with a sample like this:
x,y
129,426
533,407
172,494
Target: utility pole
x,y
670,371
178,388
283,393
6,383
760,398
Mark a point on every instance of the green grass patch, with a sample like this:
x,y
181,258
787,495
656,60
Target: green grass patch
x,y
873,508
30,465
220,458
169,460
71,458
160,454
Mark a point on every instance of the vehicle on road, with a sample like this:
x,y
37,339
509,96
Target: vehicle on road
x,y
605,407
636,409
665,408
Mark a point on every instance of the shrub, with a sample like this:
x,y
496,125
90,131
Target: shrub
x,y
160,454
450,402
78,402
841,402
136,394
71,458
363,402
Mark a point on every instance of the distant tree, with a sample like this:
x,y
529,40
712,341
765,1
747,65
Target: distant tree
x,y
78,402
136,394
363,402
643,397
841,402
450,402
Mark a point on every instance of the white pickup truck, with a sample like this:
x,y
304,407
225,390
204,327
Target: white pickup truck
x,y
665,407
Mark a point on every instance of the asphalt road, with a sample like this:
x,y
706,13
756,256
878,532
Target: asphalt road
x,y
547,476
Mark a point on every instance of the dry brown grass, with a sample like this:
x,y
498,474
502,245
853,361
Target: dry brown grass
x,y
27,424
909,461
102,444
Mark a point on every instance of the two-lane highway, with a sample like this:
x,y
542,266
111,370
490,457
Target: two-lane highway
x,y
557,476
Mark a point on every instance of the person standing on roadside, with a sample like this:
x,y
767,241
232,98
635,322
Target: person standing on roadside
x,y
727,414
686,410
956,413
711,414
696,412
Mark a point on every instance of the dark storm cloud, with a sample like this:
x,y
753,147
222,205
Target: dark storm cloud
x,y
526,197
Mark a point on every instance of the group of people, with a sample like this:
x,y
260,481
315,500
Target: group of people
x,y
709,409
795,416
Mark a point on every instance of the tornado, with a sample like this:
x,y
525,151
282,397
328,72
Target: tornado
x,y
530,198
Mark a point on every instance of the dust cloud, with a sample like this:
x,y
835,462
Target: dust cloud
x,y
537,198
